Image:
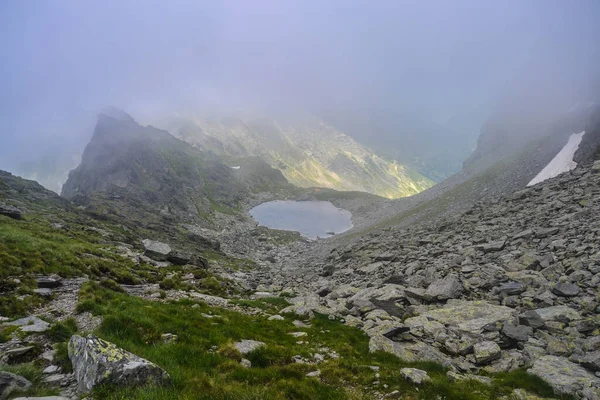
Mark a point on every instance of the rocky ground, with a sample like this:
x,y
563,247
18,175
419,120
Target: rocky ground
x,y
509,284
506,286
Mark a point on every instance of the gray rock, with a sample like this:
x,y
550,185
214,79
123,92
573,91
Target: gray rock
x,y
443,289
519,333
565,289
10,383
49,282
245,363
30,324
414,375
313,374
545,232
512,288
248,346
155,250
492,246
10,211
591,361
486,352
563,375
97,361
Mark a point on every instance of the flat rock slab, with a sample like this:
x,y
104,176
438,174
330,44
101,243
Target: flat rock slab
x,y
30,324
468,316
414,375
247,346
97,361
564,376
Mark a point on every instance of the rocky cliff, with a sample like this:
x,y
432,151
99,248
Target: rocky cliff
x,y
144,172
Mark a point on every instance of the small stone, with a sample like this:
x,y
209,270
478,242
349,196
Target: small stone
x,y
276,317
313,374
246,363
51,369
298,334
414,375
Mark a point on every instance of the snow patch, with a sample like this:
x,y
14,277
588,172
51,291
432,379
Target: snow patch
x,y
236,167
562,162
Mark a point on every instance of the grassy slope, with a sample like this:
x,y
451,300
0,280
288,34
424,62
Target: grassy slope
x,y
203,366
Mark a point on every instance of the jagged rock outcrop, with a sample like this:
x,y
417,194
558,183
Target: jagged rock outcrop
x,y
97,361
145,174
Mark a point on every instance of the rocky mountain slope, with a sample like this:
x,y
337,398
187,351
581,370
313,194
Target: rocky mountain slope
x,y
305,149
509,284
148,280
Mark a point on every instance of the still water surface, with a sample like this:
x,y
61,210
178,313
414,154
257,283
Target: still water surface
x,y
311,218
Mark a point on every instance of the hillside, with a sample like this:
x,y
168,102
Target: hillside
x,y
305,149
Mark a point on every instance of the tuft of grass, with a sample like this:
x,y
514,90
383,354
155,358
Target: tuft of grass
x,y
62,331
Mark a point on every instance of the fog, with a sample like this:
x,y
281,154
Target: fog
x,y
378,69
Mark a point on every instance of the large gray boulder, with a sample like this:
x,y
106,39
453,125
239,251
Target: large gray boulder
x,y
444,289
155,250
565,376
10,383
97,361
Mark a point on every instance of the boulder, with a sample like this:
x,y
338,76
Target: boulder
x,y
564,376
492,246
591,361
408,351
486,352
10,211
414,375
155,250
519,333
49,282
539,317
565,289
443,289
470,317
97,361
248,346
10,383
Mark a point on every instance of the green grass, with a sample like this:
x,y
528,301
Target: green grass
x,y
204,366
33,373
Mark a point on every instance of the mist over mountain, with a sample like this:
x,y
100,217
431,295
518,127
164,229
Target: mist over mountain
x,y
412,81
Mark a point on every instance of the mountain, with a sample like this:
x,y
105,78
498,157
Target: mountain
x,y
309,152
474,290
146,173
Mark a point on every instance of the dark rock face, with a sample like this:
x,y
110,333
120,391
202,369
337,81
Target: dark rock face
x,y
97,361
10,211
147,175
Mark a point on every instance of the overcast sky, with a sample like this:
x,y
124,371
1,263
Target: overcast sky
x,y
449,61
